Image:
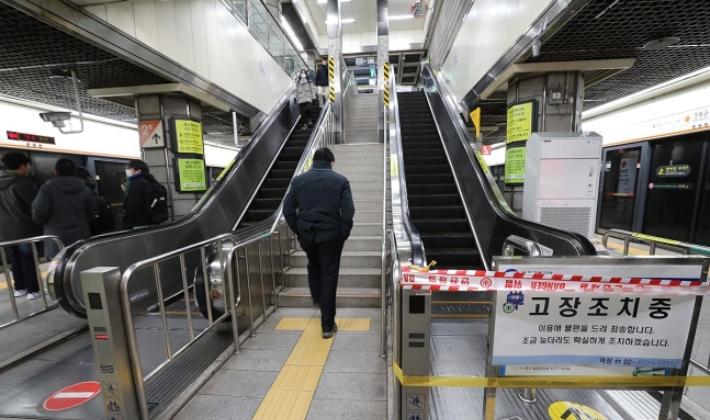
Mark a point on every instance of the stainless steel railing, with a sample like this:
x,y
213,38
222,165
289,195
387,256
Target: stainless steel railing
x,y
653,243
16,317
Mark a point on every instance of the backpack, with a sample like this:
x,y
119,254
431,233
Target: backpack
x,y
157,199
105,219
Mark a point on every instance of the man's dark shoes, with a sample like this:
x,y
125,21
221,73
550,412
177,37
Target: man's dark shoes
x,y
331,333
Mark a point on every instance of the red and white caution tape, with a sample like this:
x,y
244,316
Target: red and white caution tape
x,y
486,281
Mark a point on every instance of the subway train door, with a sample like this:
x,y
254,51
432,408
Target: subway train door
x,y
109,173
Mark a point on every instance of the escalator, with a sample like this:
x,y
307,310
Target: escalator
x,y
435,205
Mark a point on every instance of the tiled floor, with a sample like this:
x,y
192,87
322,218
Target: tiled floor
x,y
350,381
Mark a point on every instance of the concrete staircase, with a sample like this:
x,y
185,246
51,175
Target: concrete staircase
x,y
360,125
360,265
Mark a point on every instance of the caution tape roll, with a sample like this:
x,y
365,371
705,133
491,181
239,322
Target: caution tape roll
x,y
549,381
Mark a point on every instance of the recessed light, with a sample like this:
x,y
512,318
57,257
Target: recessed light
x,y
400,17
344,21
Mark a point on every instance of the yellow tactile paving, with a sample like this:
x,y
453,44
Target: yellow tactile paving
x,y
298,378
284,405
291,394
308,356
354,324
293,324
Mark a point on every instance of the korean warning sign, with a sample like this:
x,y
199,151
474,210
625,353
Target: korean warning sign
x,y
191,175
594,329
187,135
151,134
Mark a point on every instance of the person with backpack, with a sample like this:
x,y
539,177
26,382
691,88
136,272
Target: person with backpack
x,y
65,207
146,202
105,219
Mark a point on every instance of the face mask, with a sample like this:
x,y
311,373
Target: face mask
x,y
303,76
128,173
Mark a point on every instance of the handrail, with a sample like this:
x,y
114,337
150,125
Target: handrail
x,y
417,246
38,273
685,248
383,284
514,242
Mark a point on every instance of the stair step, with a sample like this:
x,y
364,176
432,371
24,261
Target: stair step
x,y
271,193
349,259
437,160
433,200
437,212
431,189
365,216
441,225
448,240
345,297
453,258
349,277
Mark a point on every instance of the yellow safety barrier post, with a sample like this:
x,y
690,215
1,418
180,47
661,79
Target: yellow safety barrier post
x,y
331,78
386,74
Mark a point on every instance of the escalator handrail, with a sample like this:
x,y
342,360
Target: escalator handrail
x,y
66,264
418,253
493,195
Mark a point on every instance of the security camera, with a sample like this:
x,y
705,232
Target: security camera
x,y
56,118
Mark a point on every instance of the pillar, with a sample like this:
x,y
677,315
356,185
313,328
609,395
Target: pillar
x,y
383,67
161,159
335,42
558,103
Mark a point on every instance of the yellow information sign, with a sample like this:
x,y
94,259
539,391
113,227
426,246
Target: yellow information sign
x,y
565,410
191,175
673,171
515,165
483,163
476,119
520,122
394,166
188,137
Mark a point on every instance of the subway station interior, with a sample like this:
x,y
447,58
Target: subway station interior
x,y
530,178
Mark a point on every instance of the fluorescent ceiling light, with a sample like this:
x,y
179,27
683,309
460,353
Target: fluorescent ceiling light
x,y
401,17
344,21
326,1
291,34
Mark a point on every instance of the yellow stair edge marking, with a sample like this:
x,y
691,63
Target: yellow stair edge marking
x,y
284,405
3,283
298,378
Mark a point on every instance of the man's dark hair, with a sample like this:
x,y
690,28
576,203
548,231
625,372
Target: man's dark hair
x,y
65,167
324,58
324,154
85,176
13,160
137,164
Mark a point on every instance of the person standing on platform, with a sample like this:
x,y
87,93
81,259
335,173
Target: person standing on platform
x,y
322,82
305,95
319,208
65,207
17,191
146,199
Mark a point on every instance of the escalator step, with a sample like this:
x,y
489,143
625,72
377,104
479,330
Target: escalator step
x,y
295,157
423,153
433,200
277,183
437,160
454,257
282,173
413,179
418,138
257,215
265,204
291,151
448,240
297,143
441,225
419,145
437,212
427,169
432,189
271,193
282,165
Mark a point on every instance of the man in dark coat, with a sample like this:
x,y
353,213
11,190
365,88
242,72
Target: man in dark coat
x,y
322,82
135,206
319,209
65,207
17,191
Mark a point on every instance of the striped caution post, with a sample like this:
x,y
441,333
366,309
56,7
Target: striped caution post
x,y
331,78
387,83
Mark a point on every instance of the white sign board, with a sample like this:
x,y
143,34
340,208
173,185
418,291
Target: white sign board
x,y
562,331
627,176
152,135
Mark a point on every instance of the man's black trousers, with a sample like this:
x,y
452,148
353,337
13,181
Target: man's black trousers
x,y
323,269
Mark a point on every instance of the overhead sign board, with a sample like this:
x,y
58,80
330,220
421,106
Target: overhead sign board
x,y
191,175
32,138
673,171
152,135
187,137
612,334
521,121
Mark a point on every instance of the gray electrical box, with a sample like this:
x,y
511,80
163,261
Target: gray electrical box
x,y
562,180
101,287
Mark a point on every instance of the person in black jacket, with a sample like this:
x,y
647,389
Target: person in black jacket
x,y
135,206
17,191
65,207
319,209
322,82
